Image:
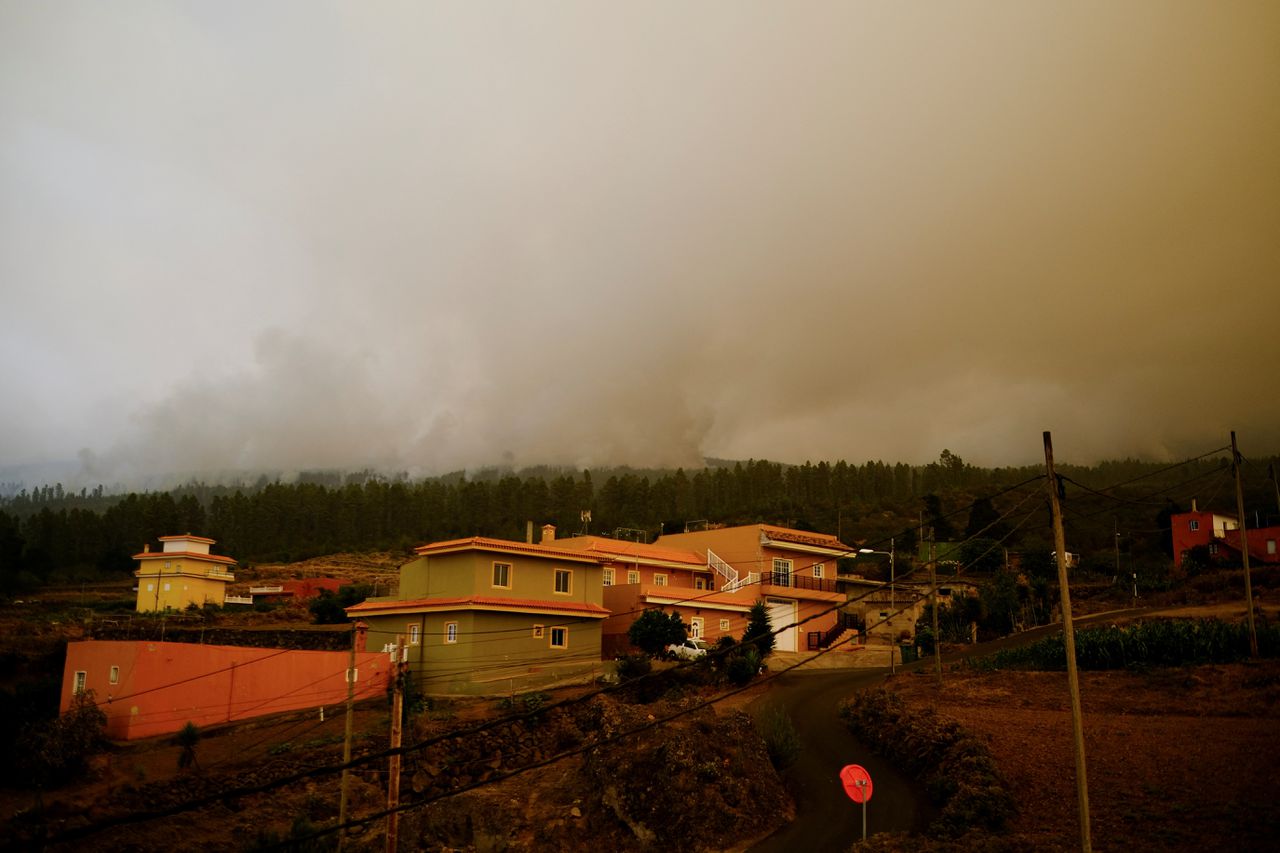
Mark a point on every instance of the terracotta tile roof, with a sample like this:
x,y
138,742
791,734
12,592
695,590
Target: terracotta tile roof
x,y
481,602
620,549
186,555
189,538
482,543
803,537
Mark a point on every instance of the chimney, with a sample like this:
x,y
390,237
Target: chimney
x,y
1193,505
146,548
548,533
528,532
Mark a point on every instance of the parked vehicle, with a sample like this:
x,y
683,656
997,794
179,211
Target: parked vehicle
x,y
690,649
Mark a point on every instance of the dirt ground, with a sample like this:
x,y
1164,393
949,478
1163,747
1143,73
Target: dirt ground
x,y
1178,759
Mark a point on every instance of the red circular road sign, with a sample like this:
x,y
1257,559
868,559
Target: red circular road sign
x,y
857,782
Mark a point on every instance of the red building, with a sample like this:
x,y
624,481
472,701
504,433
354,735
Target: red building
x,y
1220,535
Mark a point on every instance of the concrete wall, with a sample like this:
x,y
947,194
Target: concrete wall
x,y
159,687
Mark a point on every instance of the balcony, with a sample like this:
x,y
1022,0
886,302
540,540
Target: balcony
x,y
794,581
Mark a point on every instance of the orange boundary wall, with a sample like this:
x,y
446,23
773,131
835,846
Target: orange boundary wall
x,y
161,686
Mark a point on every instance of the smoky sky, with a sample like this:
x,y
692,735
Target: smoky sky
x,y
425,236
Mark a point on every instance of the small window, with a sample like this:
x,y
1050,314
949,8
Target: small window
x,y
633,576
451,632
537,632
166,587
1271,546
115,675
695,627
502,575
607,578
559,638
699,583
818,569
659,580
168,565
81,677
564,581
151,587
414,634
724,624
1195,524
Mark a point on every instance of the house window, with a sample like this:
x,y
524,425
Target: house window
x,y
564,581
115,675
151,587
782,573
818,569
1195,525
78,686
451,632
502,575
559,638
1271,546
414,634
633,576
167,564
724,624
166,587
659,580
699,583
607,578
537,632
695,627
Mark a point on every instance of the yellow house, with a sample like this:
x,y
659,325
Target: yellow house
x,y
181,574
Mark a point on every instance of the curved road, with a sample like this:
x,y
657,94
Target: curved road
x,y
826,819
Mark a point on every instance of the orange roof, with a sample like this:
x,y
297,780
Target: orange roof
x,y
803,537
481,602
189,555
188,537
482,543
618,548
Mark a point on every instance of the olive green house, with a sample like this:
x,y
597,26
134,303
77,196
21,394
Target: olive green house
x,y
491,616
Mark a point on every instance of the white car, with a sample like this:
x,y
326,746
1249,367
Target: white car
x,y
690,649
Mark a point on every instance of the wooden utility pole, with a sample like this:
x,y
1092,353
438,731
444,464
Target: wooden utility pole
x,y
393,769
1244,548
1276,484
346,741
1069,638
933,600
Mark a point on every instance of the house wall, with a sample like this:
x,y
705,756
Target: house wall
x,y
627,602
494,651
186,587
471,573
162,686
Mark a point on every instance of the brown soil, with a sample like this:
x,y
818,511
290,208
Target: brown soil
x,y
1179,759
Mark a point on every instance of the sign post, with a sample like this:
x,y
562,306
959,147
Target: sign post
x,y
857,784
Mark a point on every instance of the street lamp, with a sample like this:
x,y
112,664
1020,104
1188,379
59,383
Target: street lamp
x,y
892,594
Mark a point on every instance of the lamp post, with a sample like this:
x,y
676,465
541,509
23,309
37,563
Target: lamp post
x,y
892,595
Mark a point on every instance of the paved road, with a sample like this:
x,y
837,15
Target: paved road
x,y
826,820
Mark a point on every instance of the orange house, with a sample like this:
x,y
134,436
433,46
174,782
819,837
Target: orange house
x,y
149,689
792,571
639,577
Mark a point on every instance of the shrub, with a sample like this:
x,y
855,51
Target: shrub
x,y
54,752
759,633
780,737
654,630
743,667
956,767
633,666
187,738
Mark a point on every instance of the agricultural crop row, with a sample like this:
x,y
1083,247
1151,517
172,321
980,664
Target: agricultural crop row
x,y
1157,643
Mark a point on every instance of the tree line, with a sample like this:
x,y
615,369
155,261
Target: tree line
x,y
48,534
